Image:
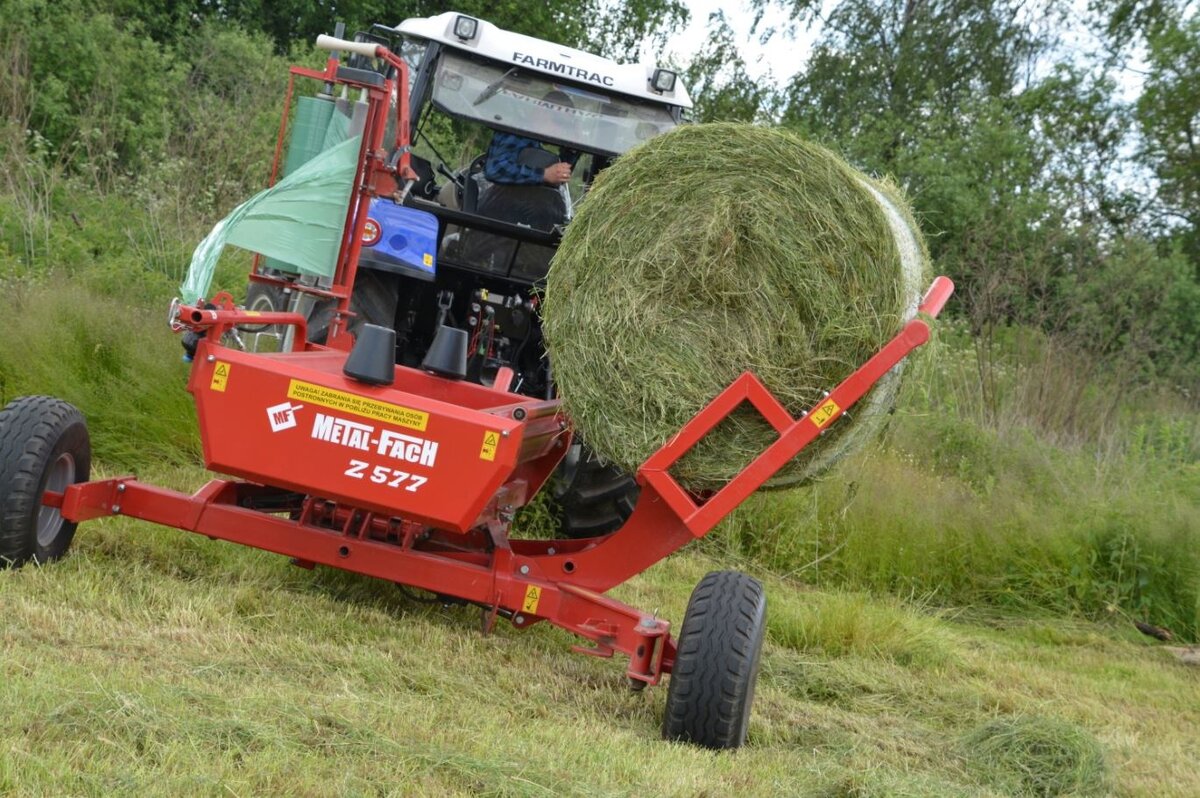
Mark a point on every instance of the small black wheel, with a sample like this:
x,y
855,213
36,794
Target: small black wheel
x,y
44,446
593,498
716,662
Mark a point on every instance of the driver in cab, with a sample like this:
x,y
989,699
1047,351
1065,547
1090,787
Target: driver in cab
x,y
521,161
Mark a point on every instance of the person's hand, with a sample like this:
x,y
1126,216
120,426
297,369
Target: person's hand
x,y
557,174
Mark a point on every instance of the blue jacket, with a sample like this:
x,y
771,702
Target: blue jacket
x,y
502,165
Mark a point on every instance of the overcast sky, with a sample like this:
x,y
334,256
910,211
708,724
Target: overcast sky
x,y
780,58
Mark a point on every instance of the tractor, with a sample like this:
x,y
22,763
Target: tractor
x,y
406,411
485,252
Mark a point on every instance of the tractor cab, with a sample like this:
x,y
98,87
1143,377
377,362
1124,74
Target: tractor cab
x,y
468,241
473,84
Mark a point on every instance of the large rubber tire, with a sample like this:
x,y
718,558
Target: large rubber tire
x,y
593,498
374,299
44,445
716,662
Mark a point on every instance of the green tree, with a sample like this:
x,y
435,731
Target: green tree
x,y
1168,114
721,88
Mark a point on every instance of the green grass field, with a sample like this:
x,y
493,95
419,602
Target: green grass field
x,y
949,614
155,662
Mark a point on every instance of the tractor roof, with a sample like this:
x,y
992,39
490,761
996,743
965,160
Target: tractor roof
x,y
542,56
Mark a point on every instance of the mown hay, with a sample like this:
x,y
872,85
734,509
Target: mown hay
x,y
712,250
1038,757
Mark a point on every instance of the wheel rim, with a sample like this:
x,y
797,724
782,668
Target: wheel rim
x,y
61,474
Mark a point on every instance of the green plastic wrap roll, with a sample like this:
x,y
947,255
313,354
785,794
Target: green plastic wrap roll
x,y
317,128
308,131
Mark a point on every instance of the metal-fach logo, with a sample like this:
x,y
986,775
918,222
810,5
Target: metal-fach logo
x,y
357,435
282,416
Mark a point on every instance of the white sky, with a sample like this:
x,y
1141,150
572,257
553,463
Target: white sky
x,y
778,60
782,57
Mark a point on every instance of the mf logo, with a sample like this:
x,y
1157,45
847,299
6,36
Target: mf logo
x,y
282,416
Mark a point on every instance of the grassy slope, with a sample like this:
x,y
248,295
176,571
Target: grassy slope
x,y
157,662
152,661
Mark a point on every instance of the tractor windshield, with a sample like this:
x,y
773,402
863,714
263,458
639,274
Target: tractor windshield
x,y
536,105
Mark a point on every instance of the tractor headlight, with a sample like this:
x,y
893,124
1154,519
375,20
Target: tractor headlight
x,y
466,27
663,80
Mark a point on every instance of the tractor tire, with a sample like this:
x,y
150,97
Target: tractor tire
x,y
264,299
376,294
44,446
716,662
593,498
374,299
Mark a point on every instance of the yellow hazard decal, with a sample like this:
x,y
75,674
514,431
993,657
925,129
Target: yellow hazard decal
x,y
427,259
491,441
359,405
824,414
533,594
220,376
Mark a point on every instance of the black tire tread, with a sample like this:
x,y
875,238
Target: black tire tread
x,y
716,662
31,429
599,499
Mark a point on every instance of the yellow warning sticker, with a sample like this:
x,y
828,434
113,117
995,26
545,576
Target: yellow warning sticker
x,y
491,440
428,259
824,414
220,376
359,405
533,594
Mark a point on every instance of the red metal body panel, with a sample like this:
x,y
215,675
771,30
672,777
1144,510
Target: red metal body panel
x,y
427,449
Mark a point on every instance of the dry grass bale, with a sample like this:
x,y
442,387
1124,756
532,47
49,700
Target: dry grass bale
x,y
715,249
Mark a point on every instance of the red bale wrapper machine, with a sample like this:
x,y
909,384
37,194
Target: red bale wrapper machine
x,y
339,457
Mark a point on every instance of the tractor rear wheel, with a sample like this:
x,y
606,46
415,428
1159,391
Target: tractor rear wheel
x,y
594,498
263,298
44,446
716,662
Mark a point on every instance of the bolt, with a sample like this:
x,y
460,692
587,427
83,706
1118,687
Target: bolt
x,y
211,358
551,550
120,487
504,433
116,508
518,619
647,622
524,569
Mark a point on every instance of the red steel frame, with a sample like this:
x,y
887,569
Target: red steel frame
x,y
450,537
560,581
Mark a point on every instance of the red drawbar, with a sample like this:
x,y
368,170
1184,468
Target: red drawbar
x,y
418,482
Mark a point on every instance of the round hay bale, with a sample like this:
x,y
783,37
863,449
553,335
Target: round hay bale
x,y
716,249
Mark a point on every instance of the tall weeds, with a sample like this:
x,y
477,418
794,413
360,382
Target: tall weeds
x,y
1073,497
